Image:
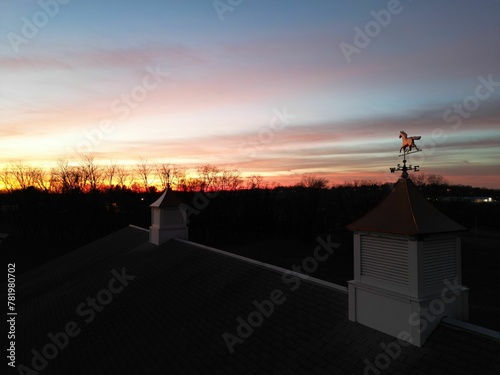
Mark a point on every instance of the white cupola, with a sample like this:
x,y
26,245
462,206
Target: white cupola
x,y
168,219
407,267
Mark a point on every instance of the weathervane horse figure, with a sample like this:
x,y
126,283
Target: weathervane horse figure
x,y
408,141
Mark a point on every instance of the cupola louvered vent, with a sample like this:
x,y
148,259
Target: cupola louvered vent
x,y
439,262
385,258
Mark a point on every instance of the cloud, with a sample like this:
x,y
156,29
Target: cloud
x,y
221,91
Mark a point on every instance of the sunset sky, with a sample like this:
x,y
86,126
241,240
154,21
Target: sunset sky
x,y
277,88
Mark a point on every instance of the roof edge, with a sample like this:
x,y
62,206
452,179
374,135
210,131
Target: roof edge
x,y
136,227
472,328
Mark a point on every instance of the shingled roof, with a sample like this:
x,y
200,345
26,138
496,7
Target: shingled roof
x,y
405,211
177,301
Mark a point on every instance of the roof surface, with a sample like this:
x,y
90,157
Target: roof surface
x,y
405,211
171,317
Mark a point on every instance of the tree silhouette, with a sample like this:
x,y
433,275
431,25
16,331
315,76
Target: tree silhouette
x,y
165,174
314,182
144,170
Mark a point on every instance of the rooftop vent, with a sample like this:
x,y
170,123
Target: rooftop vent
x,y
407,267
168,219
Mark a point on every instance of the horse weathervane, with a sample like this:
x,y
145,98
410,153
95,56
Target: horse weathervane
x,y
408,142
407,145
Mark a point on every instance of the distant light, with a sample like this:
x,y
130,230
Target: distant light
x,y
142,199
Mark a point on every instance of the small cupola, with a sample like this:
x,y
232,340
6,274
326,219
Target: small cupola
x,y
168,219
407,267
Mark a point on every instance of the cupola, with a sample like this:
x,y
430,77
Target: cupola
x,y
168,219
407,267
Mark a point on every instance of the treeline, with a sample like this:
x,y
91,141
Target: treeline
x,y
214,216
219,215
303,212
87,175
298,212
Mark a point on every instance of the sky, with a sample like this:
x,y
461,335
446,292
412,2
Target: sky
x,y
276,88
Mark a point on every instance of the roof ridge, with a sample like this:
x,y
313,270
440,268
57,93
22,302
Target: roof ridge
x,y
136,227
272,267
469,327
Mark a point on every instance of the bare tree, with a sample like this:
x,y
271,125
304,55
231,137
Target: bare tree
x,y
422,179
224,179
254,181
179,178
165,174
68,178
311,181
92,172
208,175
230,179
436,179
20,173
418,179
61,176
6,179
144,171
122,174
37,178
109,172
54,182
23,176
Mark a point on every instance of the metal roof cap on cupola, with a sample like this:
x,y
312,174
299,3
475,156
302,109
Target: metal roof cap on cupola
x,y
168,219
405,211
407,266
